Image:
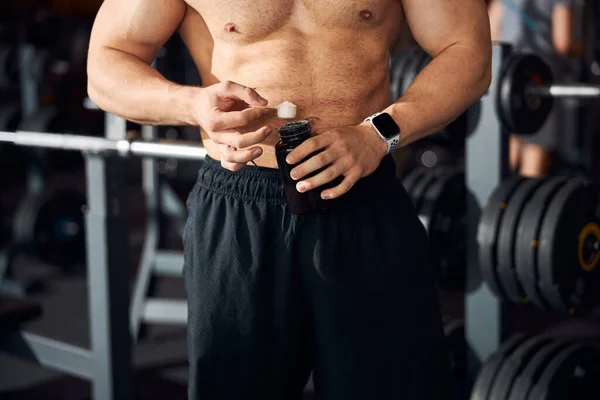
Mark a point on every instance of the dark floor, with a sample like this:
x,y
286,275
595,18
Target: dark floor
x,y
160,359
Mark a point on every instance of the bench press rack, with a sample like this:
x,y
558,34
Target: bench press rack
x,y
108,363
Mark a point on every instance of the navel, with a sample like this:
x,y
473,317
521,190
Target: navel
x,y
230,27
365,14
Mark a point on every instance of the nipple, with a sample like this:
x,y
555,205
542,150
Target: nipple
x,y
365,14
230,27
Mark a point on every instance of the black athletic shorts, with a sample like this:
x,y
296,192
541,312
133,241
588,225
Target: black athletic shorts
x,y
347,292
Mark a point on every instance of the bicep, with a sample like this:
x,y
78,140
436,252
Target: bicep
x,y
438,24
137,27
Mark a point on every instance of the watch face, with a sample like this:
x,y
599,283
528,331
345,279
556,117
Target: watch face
x,y
386,125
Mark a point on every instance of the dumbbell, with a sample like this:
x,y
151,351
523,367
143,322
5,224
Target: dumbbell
x,y
539,243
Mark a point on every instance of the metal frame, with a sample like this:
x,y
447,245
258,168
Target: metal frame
x,y
485,314
108,362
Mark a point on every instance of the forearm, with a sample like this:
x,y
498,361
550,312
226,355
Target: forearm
x,y
450,84
124,85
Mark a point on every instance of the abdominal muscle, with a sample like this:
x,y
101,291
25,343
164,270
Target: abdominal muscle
x,y
334,80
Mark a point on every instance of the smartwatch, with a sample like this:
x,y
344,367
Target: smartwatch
x,y
387,128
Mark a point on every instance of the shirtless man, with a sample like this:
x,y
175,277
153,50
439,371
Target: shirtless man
x,y
347,292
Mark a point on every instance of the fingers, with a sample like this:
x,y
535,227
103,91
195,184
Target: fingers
x,y
327,175
309,147
314,163
350,179
239,140
234,90
235,156
224,120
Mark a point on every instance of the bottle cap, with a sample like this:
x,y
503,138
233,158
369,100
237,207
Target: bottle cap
x,y
293,129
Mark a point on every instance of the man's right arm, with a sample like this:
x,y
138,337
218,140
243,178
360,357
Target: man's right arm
x,y
125,39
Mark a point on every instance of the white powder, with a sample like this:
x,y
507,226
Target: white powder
x,y
286,110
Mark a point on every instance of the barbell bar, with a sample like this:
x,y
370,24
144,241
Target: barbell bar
x,y
578,91
123,148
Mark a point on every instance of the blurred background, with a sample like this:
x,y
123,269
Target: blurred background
x,y
43,287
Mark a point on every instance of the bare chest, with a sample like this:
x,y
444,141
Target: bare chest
x,y
243,20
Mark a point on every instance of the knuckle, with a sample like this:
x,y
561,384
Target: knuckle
x,y
227,85
245,119
335,134
213,125
329,173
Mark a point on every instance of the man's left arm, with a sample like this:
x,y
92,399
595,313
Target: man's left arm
x,y
456,33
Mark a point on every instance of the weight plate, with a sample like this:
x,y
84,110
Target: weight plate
x,y
412,179
489,370
528,237
534,368
51,224
519,111
514,364
569,248
505,250
488,228
443,213
572,374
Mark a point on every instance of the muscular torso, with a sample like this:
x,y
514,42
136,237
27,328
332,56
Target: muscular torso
x,y
330,58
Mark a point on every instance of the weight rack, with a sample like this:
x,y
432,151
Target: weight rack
x,y
108,362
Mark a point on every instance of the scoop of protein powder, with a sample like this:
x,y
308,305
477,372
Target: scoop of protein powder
x,y
286,110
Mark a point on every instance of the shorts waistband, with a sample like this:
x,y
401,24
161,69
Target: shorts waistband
x,y
265,184
249,183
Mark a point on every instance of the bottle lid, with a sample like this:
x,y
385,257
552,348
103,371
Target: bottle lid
x,y
293,129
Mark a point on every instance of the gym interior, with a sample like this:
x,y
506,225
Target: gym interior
x,y
93,208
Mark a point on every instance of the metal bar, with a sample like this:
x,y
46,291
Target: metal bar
x,y
143,279
576,91
102,146
166,312
49,353
108,280
177,151
486,147
169,263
